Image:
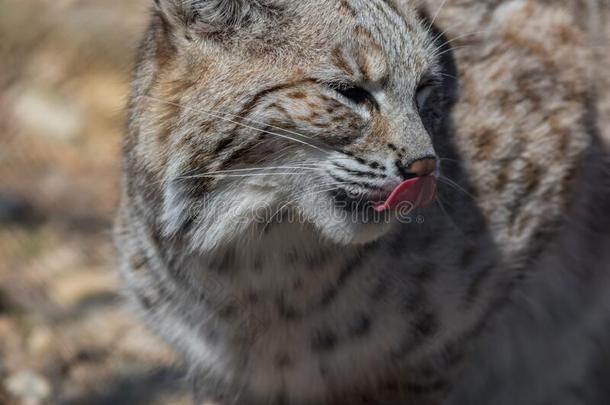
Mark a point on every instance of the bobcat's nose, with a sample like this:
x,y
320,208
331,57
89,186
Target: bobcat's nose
x,y
419,168
422,167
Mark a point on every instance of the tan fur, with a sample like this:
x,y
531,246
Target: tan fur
x,y
224,91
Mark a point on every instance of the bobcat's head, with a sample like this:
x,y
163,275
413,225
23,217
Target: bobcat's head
x,y
244,111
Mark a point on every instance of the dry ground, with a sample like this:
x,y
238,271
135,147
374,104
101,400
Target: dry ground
x,y
64,337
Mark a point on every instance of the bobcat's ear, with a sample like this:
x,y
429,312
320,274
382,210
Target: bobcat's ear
x,y
206,16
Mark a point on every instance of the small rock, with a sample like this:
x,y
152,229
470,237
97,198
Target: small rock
x,y
28,386
16,209
46,114
40,341
7,306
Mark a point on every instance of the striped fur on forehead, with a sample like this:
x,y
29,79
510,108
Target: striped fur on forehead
x,y
387,35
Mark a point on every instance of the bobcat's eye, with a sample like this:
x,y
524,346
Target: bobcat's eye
x,y
427,87
423,94
355,94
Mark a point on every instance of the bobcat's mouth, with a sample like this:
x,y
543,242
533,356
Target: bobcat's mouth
x,y
413,193
410,194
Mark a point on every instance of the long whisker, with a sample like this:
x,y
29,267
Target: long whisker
x,y
204,175
449,160
287,203
337,187
217,115
453,49
296,167
466,34
458,38
451,220
448,75
438,12
455,186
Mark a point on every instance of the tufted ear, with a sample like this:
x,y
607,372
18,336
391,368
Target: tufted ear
x,y
210,16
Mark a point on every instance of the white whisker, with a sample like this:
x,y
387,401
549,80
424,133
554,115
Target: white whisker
x,y
289,202
451,220
438,12
450,41
455,186
240,175
217,115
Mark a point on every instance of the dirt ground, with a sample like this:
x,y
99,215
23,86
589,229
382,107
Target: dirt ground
x,y
64,335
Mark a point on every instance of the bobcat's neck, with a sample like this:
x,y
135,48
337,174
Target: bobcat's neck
x,y
279,257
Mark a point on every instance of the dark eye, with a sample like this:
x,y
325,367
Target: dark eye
x,y
426,89
355,94
423,95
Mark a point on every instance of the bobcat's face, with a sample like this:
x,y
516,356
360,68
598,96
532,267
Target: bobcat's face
x,y
319,110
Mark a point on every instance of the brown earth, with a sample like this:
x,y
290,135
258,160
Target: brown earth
x,y
64,335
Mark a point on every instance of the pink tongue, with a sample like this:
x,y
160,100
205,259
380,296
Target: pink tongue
x,y
413,193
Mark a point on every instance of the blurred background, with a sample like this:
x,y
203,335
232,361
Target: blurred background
x,y
64,336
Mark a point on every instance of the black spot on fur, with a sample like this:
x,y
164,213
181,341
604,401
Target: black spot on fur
x,y
293,257
284,361
258,264
145,301
138,261
361,326
376,165
359,173
252,298
347,271
324,341
223,145
224,261
297,285
468,256
425,273
315,261
361,161
425,389
228,311
342,195
474,288
323,370
423,327
426,325
281,399
416,300
365,399
380,291
392,387
287,311
328,297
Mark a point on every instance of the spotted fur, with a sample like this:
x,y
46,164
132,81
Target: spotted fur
x,y
302,110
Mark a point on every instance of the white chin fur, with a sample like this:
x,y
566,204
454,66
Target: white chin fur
x,y
236,216
340,226
348,232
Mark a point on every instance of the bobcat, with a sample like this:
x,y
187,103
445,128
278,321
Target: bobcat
x,y
307,221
